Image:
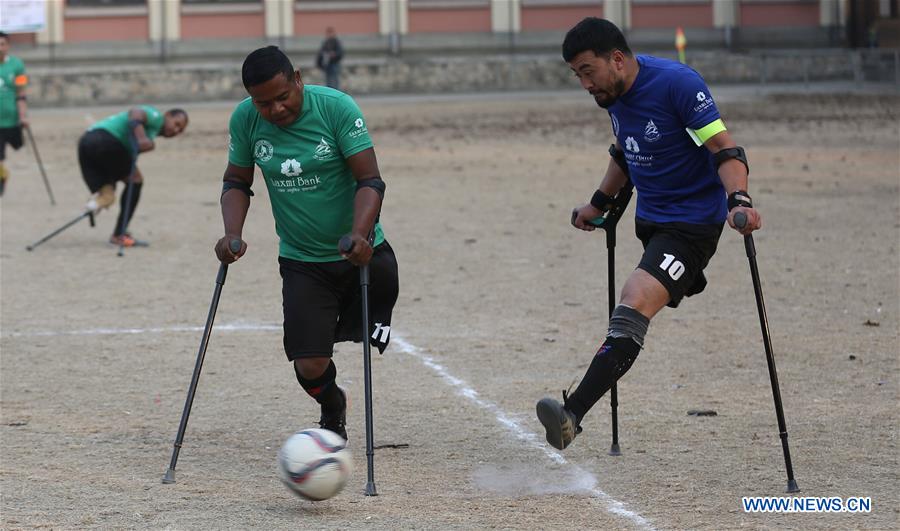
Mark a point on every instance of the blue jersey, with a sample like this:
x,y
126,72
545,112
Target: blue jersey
x,y
655,122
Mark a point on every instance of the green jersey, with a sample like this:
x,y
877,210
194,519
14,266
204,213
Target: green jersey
x,y
117,125
310,185
12,76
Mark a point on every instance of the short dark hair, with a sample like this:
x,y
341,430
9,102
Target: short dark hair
x,y
176,111
4,35
263,64
595,34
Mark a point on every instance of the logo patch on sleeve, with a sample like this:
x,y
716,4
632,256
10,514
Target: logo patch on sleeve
x,y
263,150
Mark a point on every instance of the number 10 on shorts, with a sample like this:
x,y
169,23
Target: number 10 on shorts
x,y
672,266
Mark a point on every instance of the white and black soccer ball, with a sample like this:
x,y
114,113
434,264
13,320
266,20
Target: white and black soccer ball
x,y
315,463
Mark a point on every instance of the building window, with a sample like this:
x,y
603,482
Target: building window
x,y
443,4
105,3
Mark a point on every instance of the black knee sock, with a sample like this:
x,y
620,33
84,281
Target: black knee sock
x,y
610,363
122,223
323,389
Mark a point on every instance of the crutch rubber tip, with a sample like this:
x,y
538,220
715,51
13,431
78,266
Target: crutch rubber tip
x,y
345,244
169,478
740,220
792,486
370,489
614,450
29,248
235,246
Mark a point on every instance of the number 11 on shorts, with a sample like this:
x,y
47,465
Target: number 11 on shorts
x,y
672,266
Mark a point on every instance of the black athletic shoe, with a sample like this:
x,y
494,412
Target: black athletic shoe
x,y
559,422
335,419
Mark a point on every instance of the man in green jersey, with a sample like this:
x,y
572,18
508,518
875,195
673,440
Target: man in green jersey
x,y
107,154
13,107
319,166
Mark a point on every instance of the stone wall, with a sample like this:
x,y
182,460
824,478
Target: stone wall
x,y
184,82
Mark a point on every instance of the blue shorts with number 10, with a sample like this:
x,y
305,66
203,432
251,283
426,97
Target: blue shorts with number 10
x,y
676,254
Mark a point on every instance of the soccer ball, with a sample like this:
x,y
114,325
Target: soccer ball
x,y
315,464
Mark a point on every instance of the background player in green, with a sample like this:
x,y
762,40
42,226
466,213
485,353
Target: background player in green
x,y
319,165
107,154
13,106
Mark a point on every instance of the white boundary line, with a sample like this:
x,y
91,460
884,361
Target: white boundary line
x,y
462,388
612,505
233,327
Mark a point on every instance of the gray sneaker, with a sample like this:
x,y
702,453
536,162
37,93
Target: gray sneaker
x,y
558,421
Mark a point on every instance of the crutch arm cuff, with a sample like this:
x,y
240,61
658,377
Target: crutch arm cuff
x,y
618,156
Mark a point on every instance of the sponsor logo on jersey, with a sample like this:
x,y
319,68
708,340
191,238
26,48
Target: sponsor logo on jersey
x,y
360,130
291,168
704,102
295,184
323,151
651,132
632,145
263,151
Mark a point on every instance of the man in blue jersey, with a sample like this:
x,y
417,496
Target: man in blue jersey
x,y
690,178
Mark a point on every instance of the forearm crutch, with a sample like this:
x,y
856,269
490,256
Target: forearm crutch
x,y
608,223
37,157
234,246
740,221
87,214
346,246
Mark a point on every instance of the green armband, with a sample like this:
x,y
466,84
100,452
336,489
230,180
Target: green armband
x,y
699,136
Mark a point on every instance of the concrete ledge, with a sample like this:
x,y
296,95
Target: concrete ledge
x,y
185,82
417,45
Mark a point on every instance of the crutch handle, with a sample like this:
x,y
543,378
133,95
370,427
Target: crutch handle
x,y
740,221
346,244
235,245
596,222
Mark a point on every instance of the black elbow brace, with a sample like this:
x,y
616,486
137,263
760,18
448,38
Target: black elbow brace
x,y
237,185
618,155
375,183
736,153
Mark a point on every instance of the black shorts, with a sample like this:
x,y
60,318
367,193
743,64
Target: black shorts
x,y
103,159
11,136
676,253
322,303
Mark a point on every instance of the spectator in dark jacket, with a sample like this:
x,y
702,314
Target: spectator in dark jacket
x,y
329,58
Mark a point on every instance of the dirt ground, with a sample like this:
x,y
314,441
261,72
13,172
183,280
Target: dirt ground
x,y
501,303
